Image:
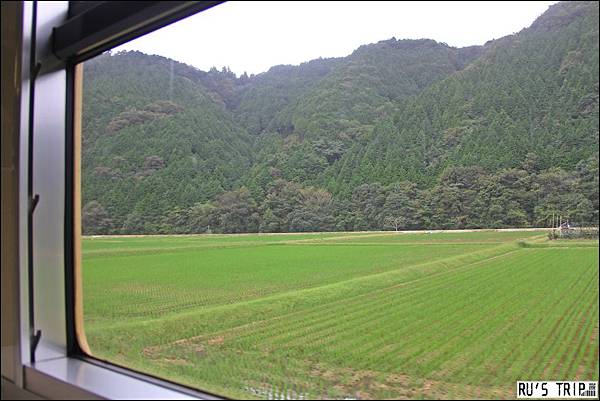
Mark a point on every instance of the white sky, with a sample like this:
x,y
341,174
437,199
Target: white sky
x,y
254,36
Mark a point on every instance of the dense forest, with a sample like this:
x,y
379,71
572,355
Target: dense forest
x,y
400,134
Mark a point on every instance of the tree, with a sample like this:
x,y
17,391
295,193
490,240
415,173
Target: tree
x,y
506,199
134,224
400,207
236,212
557,195
395,222
269,223
95,219
587,174
202,218
281,200
367,202
454,198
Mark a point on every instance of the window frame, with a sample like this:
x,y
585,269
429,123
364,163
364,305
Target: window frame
x,y
54,45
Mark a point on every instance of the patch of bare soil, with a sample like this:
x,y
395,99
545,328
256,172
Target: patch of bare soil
x,y
216,341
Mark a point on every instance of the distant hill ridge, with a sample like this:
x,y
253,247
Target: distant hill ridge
x,y
401,134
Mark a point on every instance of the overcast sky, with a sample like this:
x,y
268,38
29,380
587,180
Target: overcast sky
x,y
253,36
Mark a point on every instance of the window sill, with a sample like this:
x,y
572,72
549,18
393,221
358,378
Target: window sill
x,y
72,378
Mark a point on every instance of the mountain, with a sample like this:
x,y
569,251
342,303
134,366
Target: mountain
x,y
530,94
399,134
153,139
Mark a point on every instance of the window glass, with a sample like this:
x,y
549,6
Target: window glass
x,y
300,200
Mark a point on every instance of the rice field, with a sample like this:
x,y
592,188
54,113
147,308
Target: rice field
x,y
346,315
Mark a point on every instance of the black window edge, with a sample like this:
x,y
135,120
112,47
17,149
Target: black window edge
x,y
108,24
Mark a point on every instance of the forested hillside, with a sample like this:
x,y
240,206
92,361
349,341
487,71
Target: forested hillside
x,y
153,141
401,134
534,94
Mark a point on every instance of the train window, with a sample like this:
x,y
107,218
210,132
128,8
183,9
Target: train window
x,y
252,189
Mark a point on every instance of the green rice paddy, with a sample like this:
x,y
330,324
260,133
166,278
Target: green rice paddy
x,y
346,315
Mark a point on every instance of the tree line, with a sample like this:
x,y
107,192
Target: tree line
x,y
464,197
